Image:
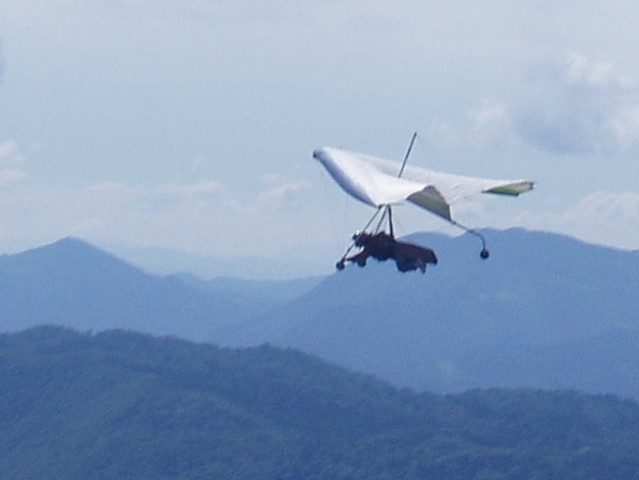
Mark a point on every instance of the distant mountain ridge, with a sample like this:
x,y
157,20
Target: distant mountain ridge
x,y
538,293
544,311
72,283
161,261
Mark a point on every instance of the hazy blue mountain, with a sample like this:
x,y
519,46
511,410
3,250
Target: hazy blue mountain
x,y
164,261
270,292
605,363
510,320
544,311
119,405
74,284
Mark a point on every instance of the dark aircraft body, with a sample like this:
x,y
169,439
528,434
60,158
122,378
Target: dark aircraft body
x,y
382,246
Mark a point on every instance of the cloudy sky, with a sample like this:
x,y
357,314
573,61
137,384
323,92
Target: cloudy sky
x,y
190,124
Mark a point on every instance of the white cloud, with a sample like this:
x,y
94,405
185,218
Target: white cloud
x,y
10,175
121,191
202,216
284,192
10,152
607,206
271,178
490,122
601,217
625,124
581,69
203,187
109,189
581,106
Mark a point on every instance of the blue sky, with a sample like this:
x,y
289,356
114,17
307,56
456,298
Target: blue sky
x,y
190,125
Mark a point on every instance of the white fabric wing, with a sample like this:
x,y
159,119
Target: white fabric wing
x,y
374,181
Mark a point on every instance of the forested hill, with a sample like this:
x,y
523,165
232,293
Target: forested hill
x,y
125,405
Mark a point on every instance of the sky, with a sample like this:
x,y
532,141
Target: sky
x,y
189,125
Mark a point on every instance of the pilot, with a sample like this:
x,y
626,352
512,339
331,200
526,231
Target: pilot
x,y
379,246
382,246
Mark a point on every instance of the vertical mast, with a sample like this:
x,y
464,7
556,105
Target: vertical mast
x,y
399,174
410,148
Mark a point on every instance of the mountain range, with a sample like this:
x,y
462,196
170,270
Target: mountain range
x,y
72,283
544,311
116,404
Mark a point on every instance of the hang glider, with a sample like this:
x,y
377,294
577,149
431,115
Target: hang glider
x,y
384,183
375,181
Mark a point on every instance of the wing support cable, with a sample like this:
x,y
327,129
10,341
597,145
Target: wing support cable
x,y
341,262
484,254
387,213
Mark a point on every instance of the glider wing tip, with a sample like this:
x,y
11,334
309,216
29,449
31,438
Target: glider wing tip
x,y
512,189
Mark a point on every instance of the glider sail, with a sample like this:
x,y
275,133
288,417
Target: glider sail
x,y
375,181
